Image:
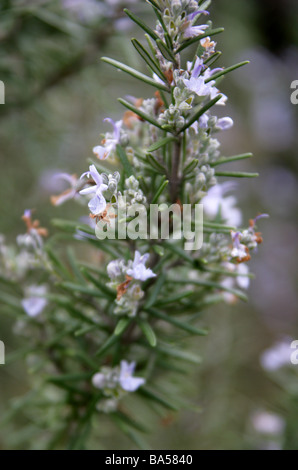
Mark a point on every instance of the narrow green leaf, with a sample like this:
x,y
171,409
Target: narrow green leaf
x,y
79,355
140,113
213,58
200,113
154,4
215,76
67,304
152,49
210,32
174,299
166,34
12,302
86,229
65,225
102,287
135,73
159,191
178,251
149,394
178,354
18,354
237,174
71,286
61,23
156,290
124,160
210,284
154,163
147,332
71,389
126,429
78,377
107,345
78,440
60,268
74,265
234,158
122,325
178,323
56,339
140,23
225,272
86,329
129,421
215,226
160,143
148,59
166,52
205,5
191,166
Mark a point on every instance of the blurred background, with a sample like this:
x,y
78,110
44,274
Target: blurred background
x,y
57,94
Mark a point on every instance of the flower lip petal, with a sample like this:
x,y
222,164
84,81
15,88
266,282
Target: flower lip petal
x,y
95,175
192,16
89,190
97,204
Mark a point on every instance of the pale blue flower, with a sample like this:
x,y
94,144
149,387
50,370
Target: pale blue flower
x,y
239,251
126,379
225,123
34,303
139,270
278,356
68,194
198,86
193,31
109,144
98,203
216,200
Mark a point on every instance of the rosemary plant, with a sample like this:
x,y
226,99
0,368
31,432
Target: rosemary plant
x,y
116,317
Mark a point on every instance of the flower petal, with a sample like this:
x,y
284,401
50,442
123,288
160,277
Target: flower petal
x,y
97,204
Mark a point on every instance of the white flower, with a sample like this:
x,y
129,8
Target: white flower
x,y
139,270
215,200
225,123
126,380
278,356
197,82
242,280
34,304
114,269
98,203
193,31
198,86
110,143
68,193
268,423
239,250
99,380
208,45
